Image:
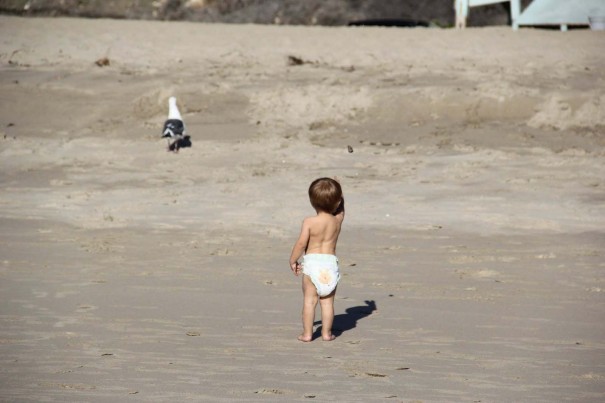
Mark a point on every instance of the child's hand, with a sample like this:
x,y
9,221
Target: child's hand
x,y
296,268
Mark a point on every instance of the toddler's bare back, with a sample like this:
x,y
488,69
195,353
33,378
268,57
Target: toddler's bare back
x,y
324,230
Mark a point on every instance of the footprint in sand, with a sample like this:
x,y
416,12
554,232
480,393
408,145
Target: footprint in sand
x,y
222,252
375,375
86,308
265,391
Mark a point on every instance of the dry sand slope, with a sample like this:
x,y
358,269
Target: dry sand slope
x,y
472,253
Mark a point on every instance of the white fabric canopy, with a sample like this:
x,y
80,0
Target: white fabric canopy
x,y
561,12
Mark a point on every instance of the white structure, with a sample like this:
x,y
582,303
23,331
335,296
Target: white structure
x,y
540,12
462,9
562,12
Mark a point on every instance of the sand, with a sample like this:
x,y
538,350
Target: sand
x,y
472,253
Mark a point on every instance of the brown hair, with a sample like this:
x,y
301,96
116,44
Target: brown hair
x,y
325,194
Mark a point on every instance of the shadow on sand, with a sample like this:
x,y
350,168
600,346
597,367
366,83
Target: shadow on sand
x,y
348,320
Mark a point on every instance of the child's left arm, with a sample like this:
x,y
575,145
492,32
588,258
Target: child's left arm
x,y
299,247
340,211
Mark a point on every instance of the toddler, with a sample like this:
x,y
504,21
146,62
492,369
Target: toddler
x,y
317,240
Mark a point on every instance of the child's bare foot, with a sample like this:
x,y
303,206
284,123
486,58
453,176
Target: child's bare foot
x,y
304,338
328,338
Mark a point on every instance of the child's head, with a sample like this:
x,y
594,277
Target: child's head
x,y
325,195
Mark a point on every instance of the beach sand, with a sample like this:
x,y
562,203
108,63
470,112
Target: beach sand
x,y
472,254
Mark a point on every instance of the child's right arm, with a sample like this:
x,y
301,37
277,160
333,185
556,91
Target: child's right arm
x,y
300,246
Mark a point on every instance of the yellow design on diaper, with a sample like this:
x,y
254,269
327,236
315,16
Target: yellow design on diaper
x,y
325,277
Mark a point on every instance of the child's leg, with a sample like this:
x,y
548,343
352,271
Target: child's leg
x,y
309,304
327,316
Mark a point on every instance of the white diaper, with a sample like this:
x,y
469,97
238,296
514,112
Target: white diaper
x,y
323,271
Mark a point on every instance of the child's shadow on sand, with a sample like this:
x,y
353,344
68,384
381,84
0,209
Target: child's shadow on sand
x,y
347,321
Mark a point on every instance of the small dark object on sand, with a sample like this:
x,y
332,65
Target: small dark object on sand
x,y
298,61
350,149
184,142
295,61
102,62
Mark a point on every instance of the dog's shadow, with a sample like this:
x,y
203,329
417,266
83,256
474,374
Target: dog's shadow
x,y
348,320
